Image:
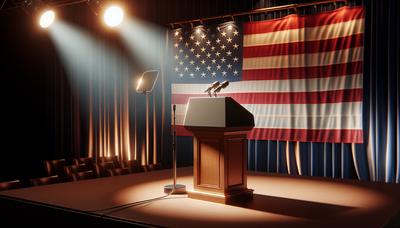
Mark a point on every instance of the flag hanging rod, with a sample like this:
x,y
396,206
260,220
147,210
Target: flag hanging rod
x,y
257,11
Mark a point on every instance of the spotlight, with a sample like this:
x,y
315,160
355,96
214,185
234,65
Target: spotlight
x,y
47,18
113,16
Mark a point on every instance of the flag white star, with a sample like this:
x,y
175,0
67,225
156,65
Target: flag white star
x,y
223,47
191,62
180,38
180,50
203,36
203,62
213,74
218,41
223,34
186,44
229,40
197,68
197,56
213,61
192,37
176,57
181,75
203,49
176,45
186,56
228,53
218,67
203,75
186,69
191,75
197,43
223,59
235,46
208,68
212,48
223,73
217,53
176,33
235,59
191,49
235,33
180,63
208,42
208,55
235,72
229,66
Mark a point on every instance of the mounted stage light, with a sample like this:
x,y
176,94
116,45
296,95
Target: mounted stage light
x,y
47,18
44,14
113,16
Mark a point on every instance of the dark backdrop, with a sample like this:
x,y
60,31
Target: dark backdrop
x,y
39,102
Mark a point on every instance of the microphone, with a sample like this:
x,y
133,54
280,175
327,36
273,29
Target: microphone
x,y
223,85
212,86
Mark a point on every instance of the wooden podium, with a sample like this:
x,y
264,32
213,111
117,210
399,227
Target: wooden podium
x,y
220,127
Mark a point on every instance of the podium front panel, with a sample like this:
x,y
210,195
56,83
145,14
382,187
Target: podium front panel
x,y
209,160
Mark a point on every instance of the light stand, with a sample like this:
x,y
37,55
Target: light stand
x,y
145,85
174,188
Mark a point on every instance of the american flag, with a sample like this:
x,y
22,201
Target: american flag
x,y
300,76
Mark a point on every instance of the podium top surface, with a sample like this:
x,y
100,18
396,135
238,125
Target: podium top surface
x,y
217,112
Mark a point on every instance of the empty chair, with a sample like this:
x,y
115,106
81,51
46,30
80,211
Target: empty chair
x,y
113,159
7,185
83,175
118,171
78,172
133,166
101,168
45,180
55,167
88,162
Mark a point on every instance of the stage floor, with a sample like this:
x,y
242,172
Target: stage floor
x,y
279,201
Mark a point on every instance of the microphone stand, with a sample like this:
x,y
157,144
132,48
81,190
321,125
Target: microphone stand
x,y
175,188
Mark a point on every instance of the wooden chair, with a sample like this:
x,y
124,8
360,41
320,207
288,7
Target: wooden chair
x,y
45,180
55,167
7,185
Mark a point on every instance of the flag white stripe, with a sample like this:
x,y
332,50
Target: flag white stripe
x,y
302,122
273,86
324,32
304,60
328,109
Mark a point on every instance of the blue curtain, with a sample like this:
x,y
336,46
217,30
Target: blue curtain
x,y
378,159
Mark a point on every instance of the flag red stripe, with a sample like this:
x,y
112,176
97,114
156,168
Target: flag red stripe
x,y
305,47
295,21
335,96
302,135
308,135
304,72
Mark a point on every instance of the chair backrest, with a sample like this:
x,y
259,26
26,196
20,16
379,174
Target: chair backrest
x,y
133,166
113,159
73,169
45,180
10,185
55,167
101,168
89,162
